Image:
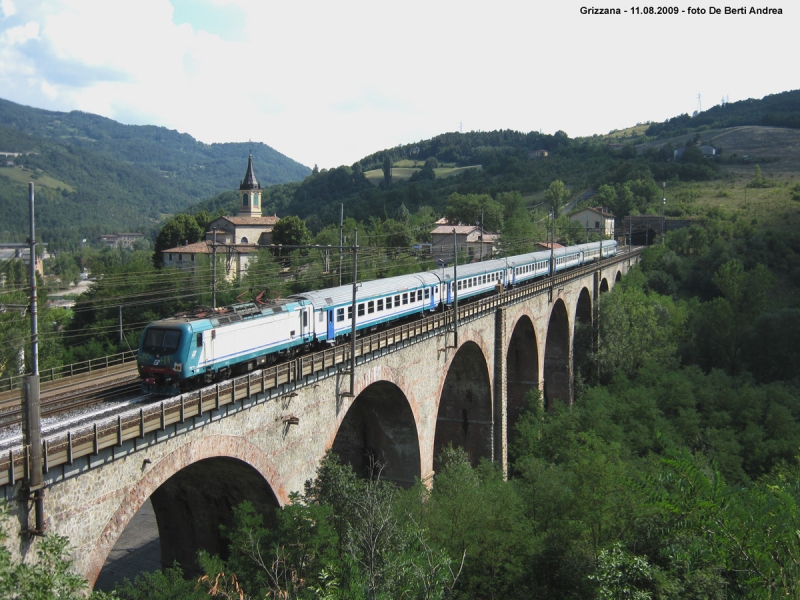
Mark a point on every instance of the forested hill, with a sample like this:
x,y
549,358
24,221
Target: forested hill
x,y
776,110
426,173
99,176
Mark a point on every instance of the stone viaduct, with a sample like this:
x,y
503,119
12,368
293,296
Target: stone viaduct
x,y
262,436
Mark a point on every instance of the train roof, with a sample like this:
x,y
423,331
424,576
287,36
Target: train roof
x,y
343,294
230,314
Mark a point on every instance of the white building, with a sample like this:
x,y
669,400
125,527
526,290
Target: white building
x,y
595,220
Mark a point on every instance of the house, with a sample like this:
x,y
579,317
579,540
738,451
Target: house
x,y
22,251
595,220
469,238
706,151
547,246
233,258
119,240
237,238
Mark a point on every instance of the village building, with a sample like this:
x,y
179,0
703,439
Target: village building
x,y
539,246
22,252
470,239
119,240
595,220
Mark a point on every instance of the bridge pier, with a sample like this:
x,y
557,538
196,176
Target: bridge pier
x,y
500,403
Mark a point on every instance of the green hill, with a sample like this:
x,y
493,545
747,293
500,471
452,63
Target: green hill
x,y
96,175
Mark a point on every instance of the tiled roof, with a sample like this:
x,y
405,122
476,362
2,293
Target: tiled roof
x,y
252,220
460,229
205,247
599,211
196,248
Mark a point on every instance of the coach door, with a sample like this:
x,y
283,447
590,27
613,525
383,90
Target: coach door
x,y
433,302
331,332
208,346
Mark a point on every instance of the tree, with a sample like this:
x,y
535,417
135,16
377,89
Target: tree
x,y
468,208
49,578
635,328
557,195
387,170
291,231
720,326
180,229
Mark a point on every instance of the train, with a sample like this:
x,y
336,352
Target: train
x,y
199,348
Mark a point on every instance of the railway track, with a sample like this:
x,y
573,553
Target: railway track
x,y
71,396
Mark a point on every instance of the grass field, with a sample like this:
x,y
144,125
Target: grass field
x,y
39,179
402,171
775,207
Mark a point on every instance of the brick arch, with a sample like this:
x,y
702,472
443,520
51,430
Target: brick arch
x,y
374,374
618,276
583,306
522,367
465,336
604,287
558,355
207,447
464,401
379,425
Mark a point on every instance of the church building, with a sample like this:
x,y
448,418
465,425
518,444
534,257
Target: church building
x,y
248,227
237,238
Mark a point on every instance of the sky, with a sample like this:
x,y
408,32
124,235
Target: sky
x,y
328,83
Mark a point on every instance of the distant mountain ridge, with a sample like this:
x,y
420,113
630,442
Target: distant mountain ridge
x,y
134,174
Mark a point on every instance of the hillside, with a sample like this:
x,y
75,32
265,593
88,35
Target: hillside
x,y
741,147
96,175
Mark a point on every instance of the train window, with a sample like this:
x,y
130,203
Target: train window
x,y
427,293
339,314
419,295
199,340
162,341
389,302
371,306
405,298
305,318
397,301
361,310
459,285
380,304
349,313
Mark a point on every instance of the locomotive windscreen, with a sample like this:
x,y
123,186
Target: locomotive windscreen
x,y
161,341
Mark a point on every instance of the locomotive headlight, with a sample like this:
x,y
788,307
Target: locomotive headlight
x,y
177,367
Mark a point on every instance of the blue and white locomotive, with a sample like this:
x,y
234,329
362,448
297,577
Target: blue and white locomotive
x,y
189,350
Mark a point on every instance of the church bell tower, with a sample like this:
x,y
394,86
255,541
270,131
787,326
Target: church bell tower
x,y
250,193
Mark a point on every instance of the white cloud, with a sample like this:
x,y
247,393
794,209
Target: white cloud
x,y
7,8
20,34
